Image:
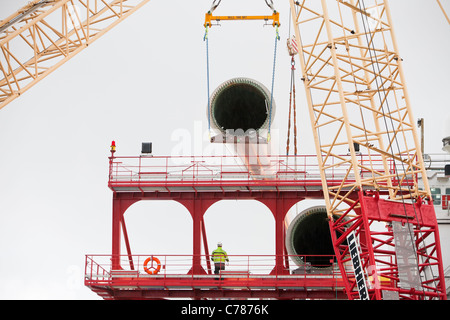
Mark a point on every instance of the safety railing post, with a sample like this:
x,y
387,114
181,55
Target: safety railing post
x,y
167,168
86,264
138,266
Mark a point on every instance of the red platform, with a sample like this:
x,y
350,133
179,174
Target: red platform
x,y
279,182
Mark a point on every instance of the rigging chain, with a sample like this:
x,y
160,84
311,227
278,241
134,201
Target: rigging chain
x,y
292,106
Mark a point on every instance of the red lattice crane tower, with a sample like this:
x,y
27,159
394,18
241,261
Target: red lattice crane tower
x,y
45,34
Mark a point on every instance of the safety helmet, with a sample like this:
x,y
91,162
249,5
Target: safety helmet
x,y
219,244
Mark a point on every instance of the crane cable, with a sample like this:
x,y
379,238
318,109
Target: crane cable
x,y
277,38
214,5
205,38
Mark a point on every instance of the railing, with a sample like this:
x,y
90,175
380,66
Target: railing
x,y
244,277
230,168
257,275
98,267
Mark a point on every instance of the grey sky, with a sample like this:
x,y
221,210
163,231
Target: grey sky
x,y
142,81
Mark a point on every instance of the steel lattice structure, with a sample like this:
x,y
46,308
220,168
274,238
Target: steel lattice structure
x,y
45,34
358,102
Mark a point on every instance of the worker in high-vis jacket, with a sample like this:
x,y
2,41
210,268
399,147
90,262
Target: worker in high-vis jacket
x,y
219,256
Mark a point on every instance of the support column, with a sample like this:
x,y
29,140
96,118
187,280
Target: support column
x,y
197,207
279,206
116,220
119,207
280,214
197,216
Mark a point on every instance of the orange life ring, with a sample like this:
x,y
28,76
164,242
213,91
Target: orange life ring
x,y
152,269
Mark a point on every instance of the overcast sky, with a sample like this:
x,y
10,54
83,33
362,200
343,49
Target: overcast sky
x,y
145,80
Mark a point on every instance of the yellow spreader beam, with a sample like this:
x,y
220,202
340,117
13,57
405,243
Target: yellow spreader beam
x,y
275,17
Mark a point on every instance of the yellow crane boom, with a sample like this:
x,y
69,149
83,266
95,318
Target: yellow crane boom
x,y
43,35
